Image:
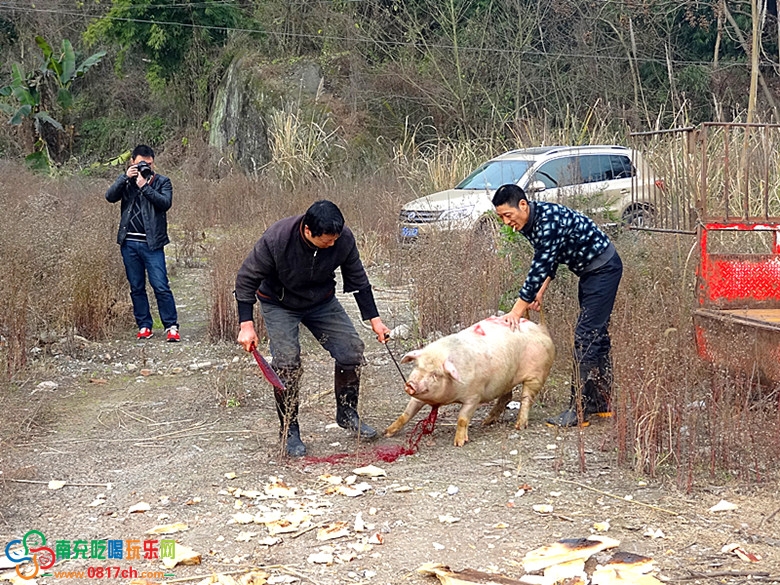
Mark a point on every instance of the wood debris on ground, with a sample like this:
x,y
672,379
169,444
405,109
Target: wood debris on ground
x,y
565,550
465,577
743,554
183,555
561,562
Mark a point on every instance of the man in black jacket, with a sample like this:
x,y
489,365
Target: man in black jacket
x,y
291,270
143,234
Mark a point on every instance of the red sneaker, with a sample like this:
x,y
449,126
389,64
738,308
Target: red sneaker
x,y
173,333
144,333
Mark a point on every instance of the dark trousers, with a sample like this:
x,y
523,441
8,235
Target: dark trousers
x,y
328,322
139,261
597,291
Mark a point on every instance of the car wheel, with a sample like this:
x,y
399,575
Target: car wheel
x,y
639,216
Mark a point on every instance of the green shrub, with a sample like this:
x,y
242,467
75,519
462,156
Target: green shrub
x,y
105,137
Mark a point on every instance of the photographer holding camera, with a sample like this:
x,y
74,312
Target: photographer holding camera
x,y
143,234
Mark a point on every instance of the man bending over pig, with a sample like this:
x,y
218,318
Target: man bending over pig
x,y
560,235
291,270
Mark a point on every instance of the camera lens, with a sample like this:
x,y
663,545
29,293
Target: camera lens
x,y
144,170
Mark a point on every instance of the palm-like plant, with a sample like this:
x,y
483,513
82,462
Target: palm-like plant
x,y
32,96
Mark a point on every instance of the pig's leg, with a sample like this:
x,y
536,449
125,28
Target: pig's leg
x,y
530,390
412,408
498,409
464,418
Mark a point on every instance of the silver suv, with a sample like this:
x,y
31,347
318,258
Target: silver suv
x,y
609,183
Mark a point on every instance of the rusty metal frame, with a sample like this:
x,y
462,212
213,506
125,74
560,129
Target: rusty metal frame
x,y
696,144
745,216
685,224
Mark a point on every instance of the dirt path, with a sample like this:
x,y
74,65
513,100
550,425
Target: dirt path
x,y
196,432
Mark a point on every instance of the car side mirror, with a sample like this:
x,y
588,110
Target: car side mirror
x,y
536,187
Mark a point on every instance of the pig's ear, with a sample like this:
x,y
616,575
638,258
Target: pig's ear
x,y
450,368
411,356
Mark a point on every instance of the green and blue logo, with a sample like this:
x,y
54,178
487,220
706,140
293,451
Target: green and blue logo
x,y
30,554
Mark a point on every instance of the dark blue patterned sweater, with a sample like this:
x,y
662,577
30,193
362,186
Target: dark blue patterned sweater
x,y
559,235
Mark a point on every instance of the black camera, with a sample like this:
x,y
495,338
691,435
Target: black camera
x,y
144,169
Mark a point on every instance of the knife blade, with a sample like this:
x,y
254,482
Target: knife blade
x,y
268,372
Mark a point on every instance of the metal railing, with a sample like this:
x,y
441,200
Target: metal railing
x,y
715,172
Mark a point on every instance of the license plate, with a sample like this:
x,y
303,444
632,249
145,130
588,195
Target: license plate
x,y
408,232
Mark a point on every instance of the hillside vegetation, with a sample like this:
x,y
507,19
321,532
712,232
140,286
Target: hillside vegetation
x,y
502,71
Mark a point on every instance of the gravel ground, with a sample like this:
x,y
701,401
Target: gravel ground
x,y
189,429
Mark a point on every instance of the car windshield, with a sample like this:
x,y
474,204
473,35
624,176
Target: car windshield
x,y
493,174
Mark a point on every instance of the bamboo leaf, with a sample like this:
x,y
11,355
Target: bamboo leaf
x,y
64,98
17,75
44,47
25,96
19,115
38,161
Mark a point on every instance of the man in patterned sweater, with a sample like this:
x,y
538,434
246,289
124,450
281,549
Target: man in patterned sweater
x,y
560,235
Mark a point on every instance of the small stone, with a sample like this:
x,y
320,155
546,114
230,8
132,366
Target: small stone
x,y
131,367
49,386
146,372
177,370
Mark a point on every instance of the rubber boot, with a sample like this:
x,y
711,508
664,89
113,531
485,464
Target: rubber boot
x,y
598,398
287,410
347,384
570,417
577,413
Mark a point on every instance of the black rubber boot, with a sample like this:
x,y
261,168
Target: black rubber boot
x,y
287,410
568,418
598,398
347,383
576,414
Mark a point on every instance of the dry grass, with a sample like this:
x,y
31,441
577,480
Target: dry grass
x,y
677,414
301,143
456,280
62,271
225,260
678,417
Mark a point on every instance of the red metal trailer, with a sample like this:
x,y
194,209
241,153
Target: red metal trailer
x,y
723,184
737,323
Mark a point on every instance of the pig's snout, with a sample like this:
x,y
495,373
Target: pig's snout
x,y
410,390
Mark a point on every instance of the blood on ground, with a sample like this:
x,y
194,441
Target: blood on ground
x,y
386,453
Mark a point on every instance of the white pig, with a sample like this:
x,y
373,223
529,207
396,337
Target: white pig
x,y
478,365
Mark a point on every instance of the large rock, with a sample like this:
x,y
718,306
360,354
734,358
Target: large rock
x,y
306,77
243,105
238,119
